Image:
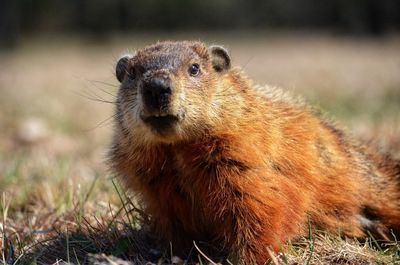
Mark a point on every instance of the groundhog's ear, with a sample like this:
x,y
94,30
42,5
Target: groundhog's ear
x,y
220,58
122,67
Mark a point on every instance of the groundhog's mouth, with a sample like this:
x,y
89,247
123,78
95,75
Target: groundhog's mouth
x,y
161,123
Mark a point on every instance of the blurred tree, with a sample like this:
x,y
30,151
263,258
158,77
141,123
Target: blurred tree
x,y
9,18
98,17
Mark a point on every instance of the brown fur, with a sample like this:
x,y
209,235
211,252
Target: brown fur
x,y
247,167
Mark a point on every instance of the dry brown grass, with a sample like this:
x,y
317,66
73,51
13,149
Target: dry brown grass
x,y
58,200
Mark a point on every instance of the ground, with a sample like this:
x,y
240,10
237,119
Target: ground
x,y
60,203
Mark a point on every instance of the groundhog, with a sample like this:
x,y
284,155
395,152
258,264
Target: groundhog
x,y
218,159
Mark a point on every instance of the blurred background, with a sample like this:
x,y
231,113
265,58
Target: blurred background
x,y
57,81
100,17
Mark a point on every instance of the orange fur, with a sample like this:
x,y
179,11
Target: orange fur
x,y
250,167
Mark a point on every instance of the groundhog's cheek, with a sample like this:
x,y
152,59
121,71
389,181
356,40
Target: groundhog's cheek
x,y
179,100
129,107
137,102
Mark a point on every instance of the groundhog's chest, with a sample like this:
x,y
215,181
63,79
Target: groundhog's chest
x,y
186,187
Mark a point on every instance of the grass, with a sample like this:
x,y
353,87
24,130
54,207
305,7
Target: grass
x,y
58,200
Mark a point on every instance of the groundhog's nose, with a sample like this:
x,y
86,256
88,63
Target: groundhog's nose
x,y
157,94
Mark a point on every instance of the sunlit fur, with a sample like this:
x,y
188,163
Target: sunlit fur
x,y
248,167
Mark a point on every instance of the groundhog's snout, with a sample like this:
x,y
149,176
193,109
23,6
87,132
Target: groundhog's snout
x,y
156,98
156,94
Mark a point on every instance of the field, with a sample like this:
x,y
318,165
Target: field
x,y
60,203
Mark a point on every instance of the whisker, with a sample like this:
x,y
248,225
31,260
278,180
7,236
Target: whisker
x,y
248,61
94,83
101,124
225,95
96,95
98,99
102,82
223,91
101,89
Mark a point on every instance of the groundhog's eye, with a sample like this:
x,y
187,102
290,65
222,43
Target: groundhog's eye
x,y
194,69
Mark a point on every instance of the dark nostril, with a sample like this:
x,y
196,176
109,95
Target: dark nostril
x,y
157,93
157,87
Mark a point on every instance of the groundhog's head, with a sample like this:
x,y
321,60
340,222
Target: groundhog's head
x,y
169,90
